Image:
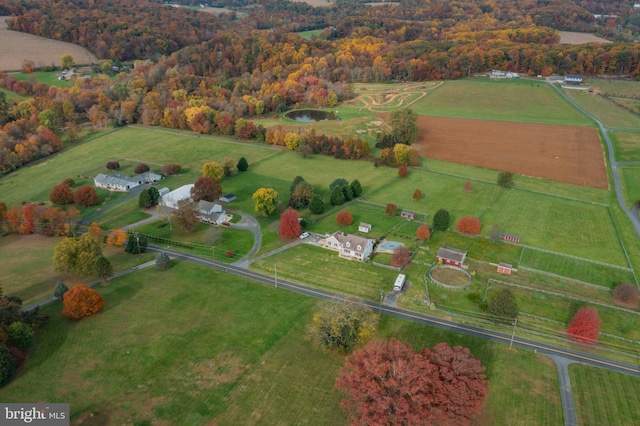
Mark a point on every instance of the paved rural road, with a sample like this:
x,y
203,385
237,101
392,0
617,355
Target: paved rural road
x,y
570,355
568,407
631,213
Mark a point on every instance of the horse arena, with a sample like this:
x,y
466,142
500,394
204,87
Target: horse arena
x,y
567,154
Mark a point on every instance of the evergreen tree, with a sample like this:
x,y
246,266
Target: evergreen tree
x,y
136,244
356,188
60,290
502,307
144,199
243,164
103,268
316,205
441,220
162,261
337,196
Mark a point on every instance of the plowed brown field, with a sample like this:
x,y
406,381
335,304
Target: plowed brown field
x,y
562,153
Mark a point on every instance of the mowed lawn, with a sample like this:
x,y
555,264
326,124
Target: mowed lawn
x,y
630,180
194,346
571,227
603,397
500,100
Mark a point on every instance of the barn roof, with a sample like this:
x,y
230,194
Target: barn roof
x,y
452,254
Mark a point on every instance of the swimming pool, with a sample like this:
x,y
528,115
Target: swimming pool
x,y
389,245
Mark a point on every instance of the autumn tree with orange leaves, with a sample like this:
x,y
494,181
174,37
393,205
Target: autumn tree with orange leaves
x,y
585,325
81,301
289,224
469,225
423,232
387,383
344,218
117,237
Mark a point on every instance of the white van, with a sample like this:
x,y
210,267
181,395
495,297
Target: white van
x,y
397,286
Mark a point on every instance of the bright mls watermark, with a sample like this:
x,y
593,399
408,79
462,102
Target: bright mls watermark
x,y
35,414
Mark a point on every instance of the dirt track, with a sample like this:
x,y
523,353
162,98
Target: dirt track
x,y
562,153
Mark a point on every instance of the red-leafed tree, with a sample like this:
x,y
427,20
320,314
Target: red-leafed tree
x,y
417,195
61,194
585,325
206,188
387,383
289,224
402,171
141,168
423,232
86,196
627,295
391,209
400,256
344,218
469,225
81,301
171,169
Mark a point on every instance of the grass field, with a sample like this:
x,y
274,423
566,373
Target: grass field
x,y
603,397
608,112
565,226
308,35
132,364
499,100
49,78
626,145
629,89
630,181
27,266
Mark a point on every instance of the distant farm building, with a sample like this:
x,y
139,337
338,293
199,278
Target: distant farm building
x,y
451,256
408,215
118,182
172,198
364,227
573,78
510,238
504,268
227,198
503,74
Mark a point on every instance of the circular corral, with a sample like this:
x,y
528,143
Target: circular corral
x,y
450,277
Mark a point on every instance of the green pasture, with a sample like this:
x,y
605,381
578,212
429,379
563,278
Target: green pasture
x,y
47,77
630,181
582,270
122,215
626,89
132,366
626,145
500,100
572,227
308,35
27,266
439,191
132,145
521,182
12,96
478,248
603,397
609,113
361,212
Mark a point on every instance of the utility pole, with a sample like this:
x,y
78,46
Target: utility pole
x,y
515,324
276,274
381,298
138,240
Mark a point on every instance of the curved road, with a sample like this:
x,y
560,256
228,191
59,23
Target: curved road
x,y
570,355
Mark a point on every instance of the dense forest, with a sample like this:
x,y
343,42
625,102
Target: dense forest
x,y
211,74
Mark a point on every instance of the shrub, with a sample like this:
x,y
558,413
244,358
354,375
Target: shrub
x,y
113,165
61,194
7,365
585,325
344,218
162,261
243,164
417,195
505,180
60,290
136,244
469,225
171,169
390,210
141,168
502,307
81,301
20,335
69,182
230,253
86,196
18,356
402,171
626,295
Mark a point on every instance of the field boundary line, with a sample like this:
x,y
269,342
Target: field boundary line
x,y
570,256
624,249
553,293
563,277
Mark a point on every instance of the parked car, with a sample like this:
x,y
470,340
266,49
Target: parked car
x,y
227,224
304,235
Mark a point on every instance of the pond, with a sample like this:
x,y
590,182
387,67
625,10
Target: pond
x,y
311,115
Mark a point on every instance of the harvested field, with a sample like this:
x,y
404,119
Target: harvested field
x,y
17,46
569,37
565,154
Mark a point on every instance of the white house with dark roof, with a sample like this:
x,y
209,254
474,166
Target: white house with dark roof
x,y
118,182
364,227
349,246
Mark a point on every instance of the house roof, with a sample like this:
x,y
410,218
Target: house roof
x,y
172,198
208,206
504,265
452,254
407,213
117,179
354,241
364,225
